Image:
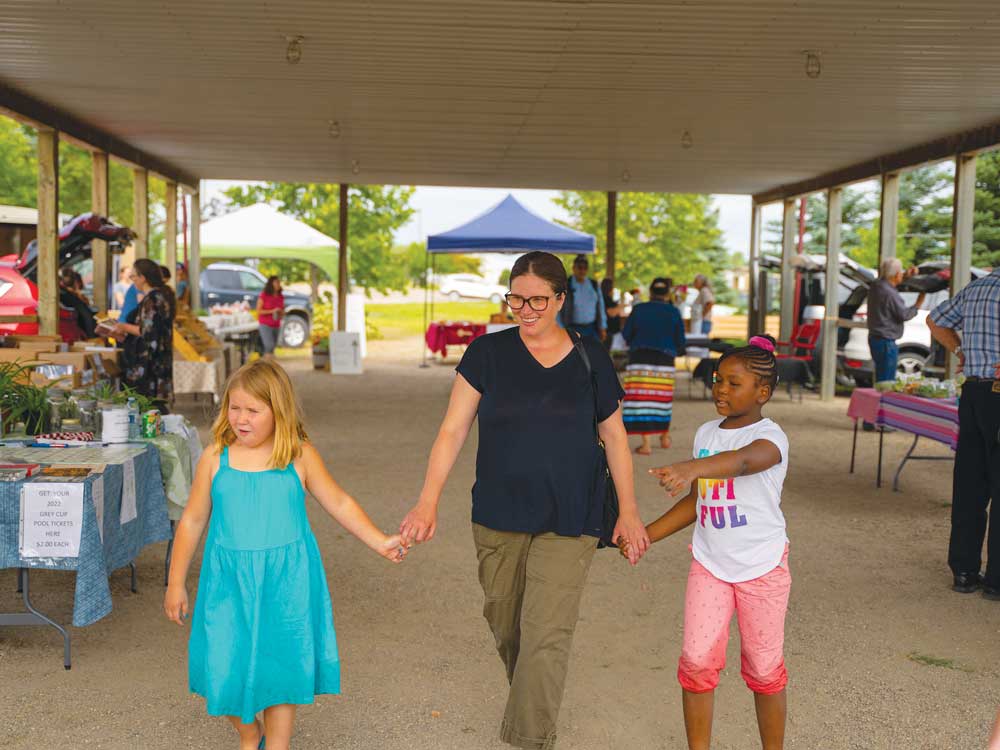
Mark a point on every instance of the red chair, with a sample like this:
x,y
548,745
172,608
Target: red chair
x,y
803,344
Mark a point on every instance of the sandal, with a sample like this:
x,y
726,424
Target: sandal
x,y
644,451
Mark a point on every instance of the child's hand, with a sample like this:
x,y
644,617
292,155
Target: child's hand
x,y
393,549
675,478
175,604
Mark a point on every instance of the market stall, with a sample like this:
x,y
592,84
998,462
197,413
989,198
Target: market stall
x,y
932,417
90,473
508,227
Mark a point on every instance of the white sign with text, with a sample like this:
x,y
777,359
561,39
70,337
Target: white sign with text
x,y
51,519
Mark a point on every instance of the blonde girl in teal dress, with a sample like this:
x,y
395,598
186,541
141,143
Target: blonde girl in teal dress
x,y
262,636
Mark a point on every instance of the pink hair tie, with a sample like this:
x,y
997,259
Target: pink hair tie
x,y
762,343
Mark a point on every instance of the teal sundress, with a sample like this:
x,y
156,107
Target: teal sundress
x,y
262,632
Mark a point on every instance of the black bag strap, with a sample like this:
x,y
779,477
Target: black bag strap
x,y
578,345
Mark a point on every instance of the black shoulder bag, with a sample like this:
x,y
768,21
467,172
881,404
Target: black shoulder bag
x,y
603,486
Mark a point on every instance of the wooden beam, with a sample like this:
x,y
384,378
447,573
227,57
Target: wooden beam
x,y
888,217
962,225
789,234
170,233
610,248
753,264
828,361
140,211
342,269
969,141
100,204
194,264
48,232
44,116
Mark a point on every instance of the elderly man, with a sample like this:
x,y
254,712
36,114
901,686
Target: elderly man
x,y
583,310
975,311
886,314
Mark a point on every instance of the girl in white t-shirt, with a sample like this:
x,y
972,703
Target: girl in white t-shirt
x,y
740,549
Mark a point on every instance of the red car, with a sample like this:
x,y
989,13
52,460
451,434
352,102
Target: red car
x,y
18,274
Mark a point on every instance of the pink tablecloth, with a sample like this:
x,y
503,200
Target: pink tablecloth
x,y
442,335
934,418
865,404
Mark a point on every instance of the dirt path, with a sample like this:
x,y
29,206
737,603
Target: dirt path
x,y
880,652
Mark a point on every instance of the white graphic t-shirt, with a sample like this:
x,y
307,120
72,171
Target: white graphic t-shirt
x,y
739,531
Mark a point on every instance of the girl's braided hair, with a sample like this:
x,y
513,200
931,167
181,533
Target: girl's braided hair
x,y
758,357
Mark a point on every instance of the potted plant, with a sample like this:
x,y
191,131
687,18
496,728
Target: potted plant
x,y
12,375
31,406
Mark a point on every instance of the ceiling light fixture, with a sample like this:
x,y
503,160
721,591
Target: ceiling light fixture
x,y
294,51
626,175
355,166
813,65
686,140
334,129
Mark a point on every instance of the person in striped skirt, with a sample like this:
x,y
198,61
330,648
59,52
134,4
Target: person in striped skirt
x,y
655,335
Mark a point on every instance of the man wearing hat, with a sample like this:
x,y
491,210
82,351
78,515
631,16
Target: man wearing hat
x,y
583,310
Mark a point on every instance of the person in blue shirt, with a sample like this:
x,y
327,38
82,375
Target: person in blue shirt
x,y
583,309
132,299
655,335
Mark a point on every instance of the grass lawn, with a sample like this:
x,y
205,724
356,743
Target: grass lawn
x,y
402,321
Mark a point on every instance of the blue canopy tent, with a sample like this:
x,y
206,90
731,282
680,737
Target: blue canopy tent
x,y
508,227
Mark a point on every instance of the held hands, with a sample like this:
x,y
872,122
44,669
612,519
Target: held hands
x,y
393,549
631,537
419,524
175,604
675,478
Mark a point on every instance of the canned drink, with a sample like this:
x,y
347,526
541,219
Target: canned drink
x,y
151,423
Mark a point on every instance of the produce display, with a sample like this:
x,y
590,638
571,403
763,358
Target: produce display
x,y
928,387
193,341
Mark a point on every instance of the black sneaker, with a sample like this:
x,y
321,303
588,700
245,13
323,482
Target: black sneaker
x,y
991,592
967,583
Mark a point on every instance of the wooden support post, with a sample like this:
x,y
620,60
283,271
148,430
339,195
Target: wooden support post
x,y
828,363
140,212
48,232
610,248
342,268
962,225
313,283
194,264
754,315
170,233
888,218
789,236
99,204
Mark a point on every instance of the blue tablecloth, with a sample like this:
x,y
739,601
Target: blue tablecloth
x,y
122,542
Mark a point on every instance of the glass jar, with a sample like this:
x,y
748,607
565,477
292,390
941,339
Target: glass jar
x,y
71,425
87,408
56,399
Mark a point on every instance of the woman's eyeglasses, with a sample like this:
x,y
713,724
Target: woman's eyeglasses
x,y
538,303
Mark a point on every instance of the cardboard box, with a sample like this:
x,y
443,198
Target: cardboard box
x,y
79,360
17,355
37,346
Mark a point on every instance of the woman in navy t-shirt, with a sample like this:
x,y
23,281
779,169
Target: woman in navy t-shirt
x,y
536,521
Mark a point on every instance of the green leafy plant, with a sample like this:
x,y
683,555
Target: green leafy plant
x,y
104,391
143,403
30,404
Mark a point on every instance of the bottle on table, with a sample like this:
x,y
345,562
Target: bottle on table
x,y
134,426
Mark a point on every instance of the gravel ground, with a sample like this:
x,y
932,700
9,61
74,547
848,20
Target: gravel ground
x,y
881,653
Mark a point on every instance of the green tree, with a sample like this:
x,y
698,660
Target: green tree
x,y
376,212
986,234
658,234
18,164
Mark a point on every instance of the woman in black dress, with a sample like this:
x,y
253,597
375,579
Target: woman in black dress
x,y
535,519
149,338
